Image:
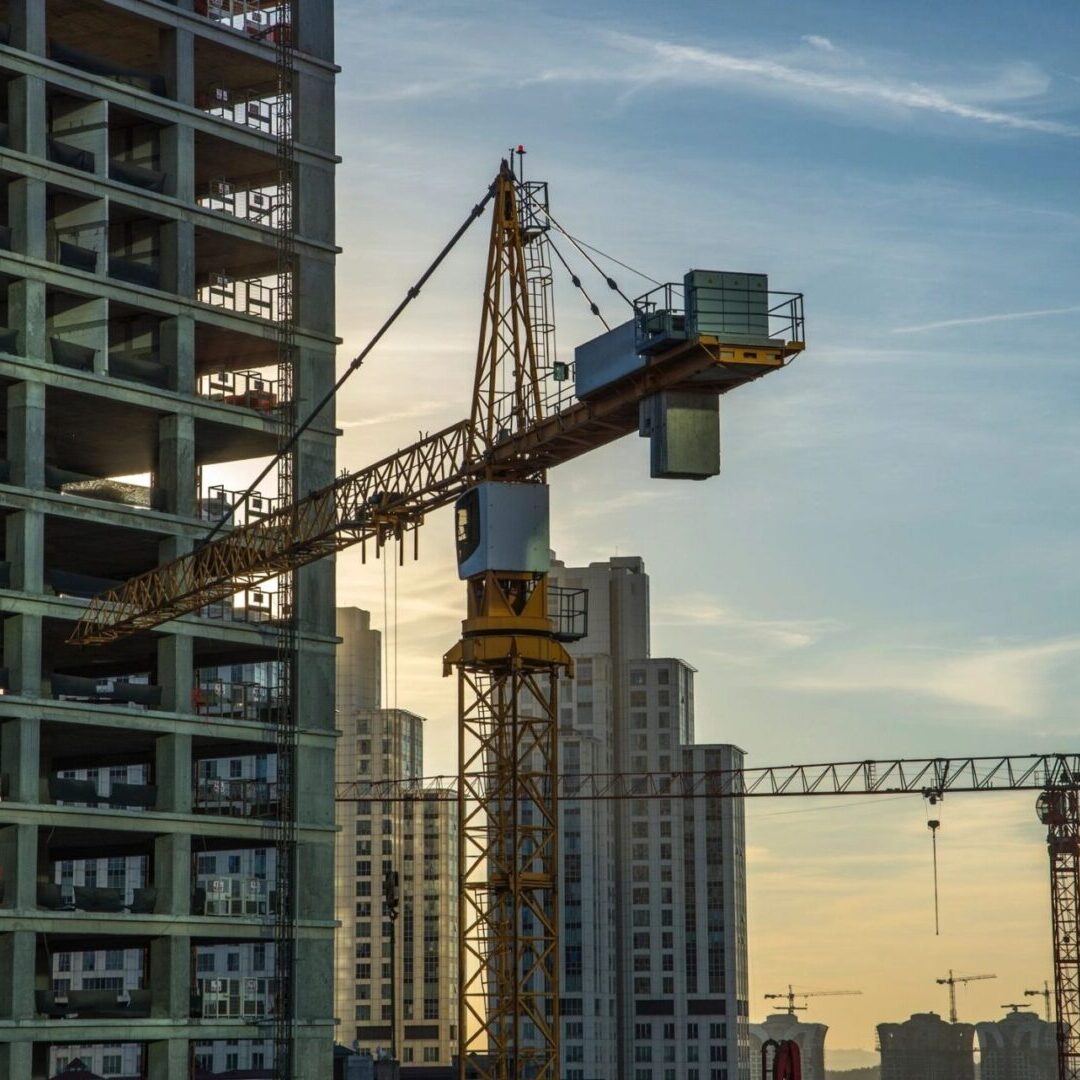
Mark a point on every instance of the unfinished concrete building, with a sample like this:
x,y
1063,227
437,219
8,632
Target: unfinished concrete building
x,y
166,296
926,1048
1020,1046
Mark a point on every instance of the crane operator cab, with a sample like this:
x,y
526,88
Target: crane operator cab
x,y
503,527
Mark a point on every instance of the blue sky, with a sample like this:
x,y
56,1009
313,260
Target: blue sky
x,y
888,564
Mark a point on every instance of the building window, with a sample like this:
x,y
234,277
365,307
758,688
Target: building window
x,y
431,1053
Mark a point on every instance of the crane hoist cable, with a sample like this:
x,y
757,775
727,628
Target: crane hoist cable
x,y
410,296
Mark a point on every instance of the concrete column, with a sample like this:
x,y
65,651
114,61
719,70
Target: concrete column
x,y
170,977
314,594
178,161
84,124
25,537
176,59
175,672
313,111
314,29
170,1060
79,321
17,975
26,113
314,202
20,750
172,755
172,874
313,1055
27,20
314,293
178,258
26,312
176,464
19,858
22,654
178,352
26,207
315,973
17,1059
315,870
26,434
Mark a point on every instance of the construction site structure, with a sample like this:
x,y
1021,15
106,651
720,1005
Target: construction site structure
x,y
786,1027
1020,1046
951,981
926,1048
791,995
166,298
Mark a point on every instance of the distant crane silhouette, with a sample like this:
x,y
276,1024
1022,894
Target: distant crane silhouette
x,y
1014,1007
1044,993
791,995
951,982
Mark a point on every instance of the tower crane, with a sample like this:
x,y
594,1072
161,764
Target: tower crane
x,y
951,982
1056,777
1044,993
791,995
661,373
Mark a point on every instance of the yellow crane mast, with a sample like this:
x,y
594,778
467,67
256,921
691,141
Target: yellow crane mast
x,y
661,374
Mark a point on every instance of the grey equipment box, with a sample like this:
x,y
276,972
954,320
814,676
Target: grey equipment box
x,y
683,428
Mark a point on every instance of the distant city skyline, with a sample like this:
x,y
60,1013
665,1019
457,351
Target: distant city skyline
x,y
887,563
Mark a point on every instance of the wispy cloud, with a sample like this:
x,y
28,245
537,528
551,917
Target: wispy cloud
x,y
1012,680
817,41
695,62
703,611
978,320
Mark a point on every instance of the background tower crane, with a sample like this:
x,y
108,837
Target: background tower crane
x,y
951,982
791,995
1044,993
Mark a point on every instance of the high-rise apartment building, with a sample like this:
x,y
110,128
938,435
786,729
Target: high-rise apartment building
x,y
786,1026
926,1048
653,897
415,954
1019,1046
166,294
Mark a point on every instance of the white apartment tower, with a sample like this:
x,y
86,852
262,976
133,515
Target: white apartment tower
x,y
417,839
654,972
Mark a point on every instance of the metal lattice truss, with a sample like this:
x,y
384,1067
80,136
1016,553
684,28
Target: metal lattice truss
x,y
508,856
381,500
918,776
506,391
1060,812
